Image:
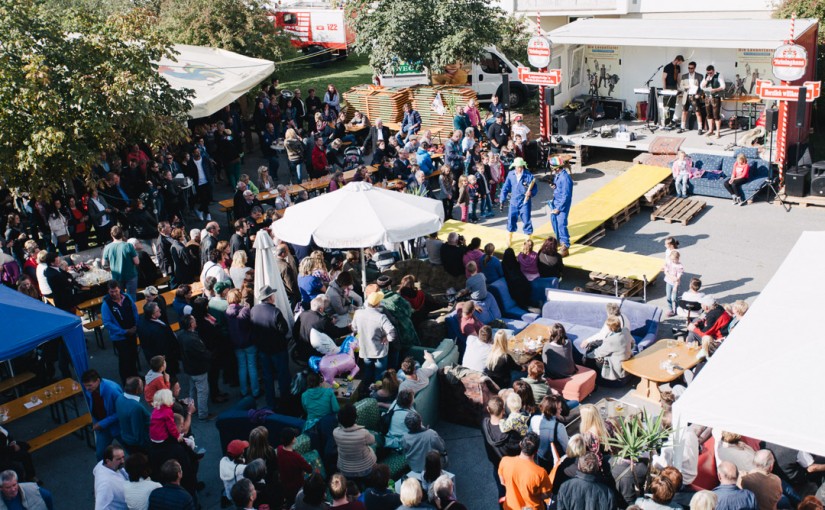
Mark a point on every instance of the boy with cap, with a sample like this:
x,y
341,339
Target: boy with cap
x,y
521,186
232,465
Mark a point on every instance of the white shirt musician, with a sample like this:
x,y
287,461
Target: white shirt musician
x,y
692,93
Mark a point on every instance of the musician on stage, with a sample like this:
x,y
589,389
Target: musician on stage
x,y
692,92
670,81
521,186
714,87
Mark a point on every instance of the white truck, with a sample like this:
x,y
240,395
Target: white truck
x,y
485,76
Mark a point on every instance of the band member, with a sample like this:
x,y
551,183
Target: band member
x,y
714,86
692,92
670,81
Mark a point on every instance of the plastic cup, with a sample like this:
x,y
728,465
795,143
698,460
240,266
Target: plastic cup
x,y
671,343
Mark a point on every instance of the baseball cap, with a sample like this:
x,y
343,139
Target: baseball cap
x,y
375,298
236,447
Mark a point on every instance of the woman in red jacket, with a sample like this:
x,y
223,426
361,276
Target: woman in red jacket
x,y
738,177
320,167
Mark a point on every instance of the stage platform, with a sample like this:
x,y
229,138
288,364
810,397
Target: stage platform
x,y
585,217
694,143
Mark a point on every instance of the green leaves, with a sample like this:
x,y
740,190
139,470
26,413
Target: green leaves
x,y
429,33
638,435
72,85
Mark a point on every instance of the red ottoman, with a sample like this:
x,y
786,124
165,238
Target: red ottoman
x,y
576,387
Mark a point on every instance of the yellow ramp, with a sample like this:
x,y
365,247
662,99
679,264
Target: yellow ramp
x,y
586,258
609,200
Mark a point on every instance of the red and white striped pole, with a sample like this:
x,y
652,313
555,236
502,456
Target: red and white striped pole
x,y
782,134
543,121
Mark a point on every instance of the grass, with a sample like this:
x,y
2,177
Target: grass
x,y
344,74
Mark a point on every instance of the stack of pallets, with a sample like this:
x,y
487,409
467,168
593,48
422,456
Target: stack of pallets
x,y
452,97
386,103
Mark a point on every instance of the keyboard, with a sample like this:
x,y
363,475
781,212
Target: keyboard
x,y
661,92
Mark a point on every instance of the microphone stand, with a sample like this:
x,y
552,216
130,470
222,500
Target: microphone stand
x,y
648,126
647,83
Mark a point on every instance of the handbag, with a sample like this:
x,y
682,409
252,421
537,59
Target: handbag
x,y
63,238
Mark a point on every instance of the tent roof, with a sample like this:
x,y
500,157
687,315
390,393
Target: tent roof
x,y
671,33
218,77
28,323
763,381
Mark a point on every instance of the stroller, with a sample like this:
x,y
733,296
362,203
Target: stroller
x,y
353,158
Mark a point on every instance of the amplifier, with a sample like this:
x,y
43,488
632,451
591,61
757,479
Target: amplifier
x,y
613,108
564,123
798,181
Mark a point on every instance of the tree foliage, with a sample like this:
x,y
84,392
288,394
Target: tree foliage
x,y
74,85
242,26
515,33
424,33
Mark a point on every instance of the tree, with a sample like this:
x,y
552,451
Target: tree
x,y
515,33
809,9
424,33
72,87
242,26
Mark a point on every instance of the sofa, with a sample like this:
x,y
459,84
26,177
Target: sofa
x,y
716,169
490,312
583,315
431,278
426,400
236,423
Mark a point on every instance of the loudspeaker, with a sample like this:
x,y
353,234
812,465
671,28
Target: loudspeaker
x,y
565,123
797,181
801,107
612,109
550,96
505,90
799,155
771,119
818,179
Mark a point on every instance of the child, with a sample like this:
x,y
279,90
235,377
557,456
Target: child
x,y
463,197
162,423
516,420
738,177
156,378
518,146
670,244
472,190
496,174
468,148
291,465
673,273
232,465
483,190
506,156
682,170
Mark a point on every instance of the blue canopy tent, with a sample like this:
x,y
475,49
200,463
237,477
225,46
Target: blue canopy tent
x,y
28,323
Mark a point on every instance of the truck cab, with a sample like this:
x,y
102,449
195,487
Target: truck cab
x,y
485,76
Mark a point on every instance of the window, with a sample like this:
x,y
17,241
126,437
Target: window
x,y
290,18
492,64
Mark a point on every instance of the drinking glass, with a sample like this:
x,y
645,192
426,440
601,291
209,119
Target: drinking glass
x,y
47,394
671,343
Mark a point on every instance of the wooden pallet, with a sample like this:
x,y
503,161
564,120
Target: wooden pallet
x,y
592,236
627,287
623,216
657,193
803,201
576,153
677,209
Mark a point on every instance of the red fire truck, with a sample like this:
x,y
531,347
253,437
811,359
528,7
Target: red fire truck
x,y
315,27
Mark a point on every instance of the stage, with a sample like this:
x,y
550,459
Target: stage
x,y
693,142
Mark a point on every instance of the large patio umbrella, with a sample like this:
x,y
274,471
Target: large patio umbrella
x,y
267,273
359,215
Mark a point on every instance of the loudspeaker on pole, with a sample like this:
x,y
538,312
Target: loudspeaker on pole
x,y
771,119
505,90
801,107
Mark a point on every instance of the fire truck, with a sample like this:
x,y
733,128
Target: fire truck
x,y
316,27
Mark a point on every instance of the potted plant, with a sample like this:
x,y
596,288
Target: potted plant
x,y
634,441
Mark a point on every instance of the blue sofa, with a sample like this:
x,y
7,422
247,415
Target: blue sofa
x,y
426,400
716,169
489,312
234,423
583,315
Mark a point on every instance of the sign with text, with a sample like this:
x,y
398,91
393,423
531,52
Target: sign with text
x,y
767,90
789,62
538,52
551,78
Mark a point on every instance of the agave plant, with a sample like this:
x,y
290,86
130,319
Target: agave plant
x,y
639,435
419,191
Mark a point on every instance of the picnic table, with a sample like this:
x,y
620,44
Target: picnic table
x,y
227,205
528,343
54,397
662,362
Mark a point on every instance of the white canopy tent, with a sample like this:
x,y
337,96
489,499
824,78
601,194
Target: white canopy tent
x,y
671,33
267,274
359,215
764,381
218,77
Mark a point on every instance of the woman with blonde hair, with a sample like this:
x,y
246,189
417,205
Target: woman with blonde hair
x,y
309,283
499,363
593,429
704,500
412,496
576,447
265,182
238,269
295,150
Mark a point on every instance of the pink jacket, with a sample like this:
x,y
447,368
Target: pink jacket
x,y
691,170
162,425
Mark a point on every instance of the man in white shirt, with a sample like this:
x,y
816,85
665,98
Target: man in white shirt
x,y
198,170
417,379
110,480
691,93
681,450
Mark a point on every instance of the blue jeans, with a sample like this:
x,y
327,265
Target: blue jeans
x,y
374,369
103,438
672,298
274,163
275,364
248,365
129,287
559,222
297,170
681,182
486,205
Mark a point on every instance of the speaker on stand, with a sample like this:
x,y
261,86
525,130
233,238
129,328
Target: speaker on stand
x,y
505,91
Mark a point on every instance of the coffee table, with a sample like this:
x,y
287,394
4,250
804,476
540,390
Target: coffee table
x,y
647,366
347,387
519,352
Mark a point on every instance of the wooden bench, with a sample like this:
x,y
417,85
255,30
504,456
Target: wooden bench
x,y
78,424
226,206
15,381
96,326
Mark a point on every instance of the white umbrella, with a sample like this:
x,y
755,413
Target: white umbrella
x,y
267,273
359,215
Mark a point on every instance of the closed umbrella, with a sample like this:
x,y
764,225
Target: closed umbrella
x,y
359,215
267,273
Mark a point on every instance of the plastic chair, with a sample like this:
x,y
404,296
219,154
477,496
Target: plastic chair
x,y
690,306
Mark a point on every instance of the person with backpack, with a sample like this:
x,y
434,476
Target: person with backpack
x,y
392,421
550,430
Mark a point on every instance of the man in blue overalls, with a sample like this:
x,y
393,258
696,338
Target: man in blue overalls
x,y
521,185
560,206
